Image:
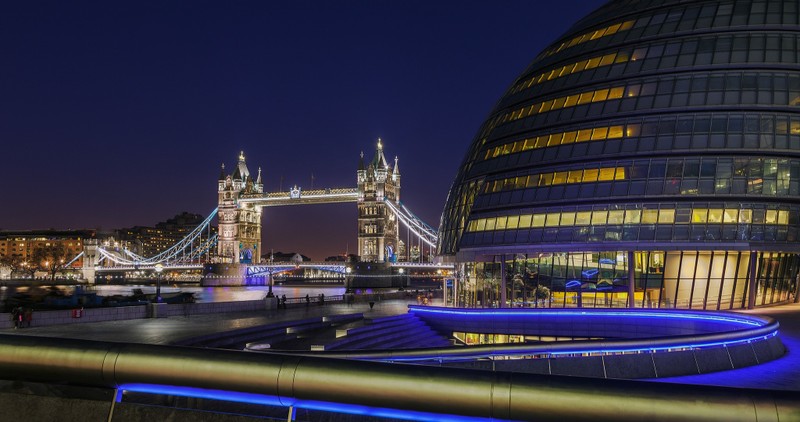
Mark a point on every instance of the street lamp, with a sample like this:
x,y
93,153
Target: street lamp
x,y
159,269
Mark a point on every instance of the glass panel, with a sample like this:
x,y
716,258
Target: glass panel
x,y
699,215
649,216
567,219
745,216
616,216
666,216
632,216
583,218
772,217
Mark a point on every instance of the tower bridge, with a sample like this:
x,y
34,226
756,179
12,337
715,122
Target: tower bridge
x,y
235,251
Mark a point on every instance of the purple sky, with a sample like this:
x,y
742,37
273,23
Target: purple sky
x,y
114,114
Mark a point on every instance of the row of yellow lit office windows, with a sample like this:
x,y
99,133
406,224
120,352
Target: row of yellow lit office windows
x,y
602,174
592,35
586,64
618,217
562,138
567,101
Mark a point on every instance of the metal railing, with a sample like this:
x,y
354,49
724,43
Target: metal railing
x,y
298,380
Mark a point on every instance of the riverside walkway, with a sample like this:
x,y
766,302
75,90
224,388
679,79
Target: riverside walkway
x,y
780,374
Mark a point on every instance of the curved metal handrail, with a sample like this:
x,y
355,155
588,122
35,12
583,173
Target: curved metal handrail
x,y
297,380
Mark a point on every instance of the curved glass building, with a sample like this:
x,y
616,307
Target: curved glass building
x,y
649,157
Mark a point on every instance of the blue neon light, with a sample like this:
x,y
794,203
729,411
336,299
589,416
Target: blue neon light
x,y
636,314
659,348
267,400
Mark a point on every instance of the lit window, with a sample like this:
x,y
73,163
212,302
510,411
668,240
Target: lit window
x,y
731,215
538,220
633,216
666,216
715,215
772,217
590,175
699,215
524,221
552,219
746,216
599,133
513,222
649,216
599,218
616,216
606,174
583,218
568,219
600,95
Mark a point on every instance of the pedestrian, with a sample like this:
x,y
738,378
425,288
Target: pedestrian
x,y
28,317
283,301
20,316
15,316
308,299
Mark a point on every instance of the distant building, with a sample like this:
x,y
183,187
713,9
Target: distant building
x,y
342,258
285,257
149,241
23,243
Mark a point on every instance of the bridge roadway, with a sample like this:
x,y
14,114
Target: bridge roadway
x,y
780,374
282,266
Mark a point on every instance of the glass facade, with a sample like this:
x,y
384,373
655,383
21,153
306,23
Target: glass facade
x,y
650,157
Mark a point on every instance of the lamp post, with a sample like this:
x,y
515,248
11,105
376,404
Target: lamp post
x,y
401,271
348,281
269,272
159,269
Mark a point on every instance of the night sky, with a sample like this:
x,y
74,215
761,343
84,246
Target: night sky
x,y
115,114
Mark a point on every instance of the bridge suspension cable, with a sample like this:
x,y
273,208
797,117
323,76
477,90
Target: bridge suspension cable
x,y
176,252
420,229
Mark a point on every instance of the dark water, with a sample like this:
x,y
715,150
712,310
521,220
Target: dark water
x,y
202,294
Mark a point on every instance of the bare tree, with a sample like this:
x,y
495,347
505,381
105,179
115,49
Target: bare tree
x,y
51,259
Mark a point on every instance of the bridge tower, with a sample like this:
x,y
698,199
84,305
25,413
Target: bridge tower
x,y
90,260
239,223
378,235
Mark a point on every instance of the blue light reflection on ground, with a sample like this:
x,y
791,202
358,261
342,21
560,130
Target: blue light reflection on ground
x,y
267,400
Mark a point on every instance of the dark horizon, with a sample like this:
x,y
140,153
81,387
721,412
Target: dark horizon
x,y
120,115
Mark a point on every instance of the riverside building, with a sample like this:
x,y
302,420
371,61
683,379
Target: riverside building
x,y
649,157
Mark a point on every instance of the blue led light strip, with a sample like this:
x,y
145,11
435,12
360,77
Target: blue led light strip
x,y
266,400
744,320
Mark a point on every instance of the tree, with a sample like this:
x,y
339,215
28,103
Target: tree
x,y
51,259
18,265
